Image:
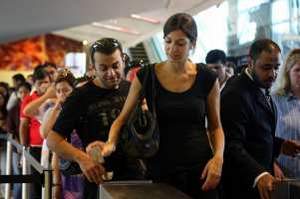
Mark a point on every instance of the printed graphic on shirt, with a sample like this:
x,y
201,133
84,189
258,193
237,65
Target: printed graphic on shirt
x,y
103,113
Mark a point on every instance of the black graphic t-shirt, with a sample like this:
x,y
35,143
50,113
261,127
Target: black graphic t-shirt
x,y
91,110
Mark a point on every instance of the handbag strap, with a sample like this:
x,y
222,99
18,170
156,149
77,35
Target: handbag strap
x,y
153,90
149,73
144,84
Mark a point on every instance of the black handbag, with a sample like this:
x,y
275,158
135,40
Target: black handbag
x,y
140,135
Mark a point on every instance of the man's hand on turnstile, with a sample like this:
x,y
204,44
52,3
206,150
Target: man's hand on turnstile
x,y
92,170
266,185
107,148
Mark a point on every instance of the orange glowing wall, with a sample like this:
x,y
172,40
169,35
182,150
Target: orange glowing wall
x,y
28,53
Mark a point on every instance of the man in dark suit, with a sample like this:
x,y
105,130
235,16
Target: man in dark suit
x,y
249,119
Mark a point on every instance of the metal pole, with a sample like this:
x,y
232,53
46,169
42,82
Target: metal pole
x,y
8,168
24,172
47,184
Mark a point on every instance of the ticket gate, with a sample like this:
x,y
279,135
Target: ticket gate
x,y
287,189
138,190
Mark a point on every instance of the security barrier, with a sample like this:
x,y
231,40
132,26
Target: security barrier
x,y
44,177
139,189
287,189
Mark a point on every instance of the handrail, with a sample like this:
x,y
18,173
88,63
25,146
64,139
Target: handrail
x,y
15,144
33,162
28,160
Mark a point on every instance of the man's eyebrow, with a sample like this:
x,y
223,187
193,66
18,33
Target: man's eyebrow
x,y
117,62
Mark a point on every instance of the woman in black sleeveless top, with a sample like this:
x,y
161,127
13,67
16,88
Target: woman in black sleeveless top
x,y
185,94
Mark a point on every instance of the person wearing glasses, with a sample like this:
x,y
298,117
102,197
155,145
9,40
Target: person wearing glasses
x,y
186,94
90,110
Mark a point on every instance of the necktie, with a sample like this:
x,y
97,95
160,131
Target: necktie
x,y
268,98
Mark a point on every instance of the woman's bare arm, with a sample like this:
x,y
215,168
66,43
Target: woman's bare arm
x,y
32,109
130,103
214,121
49,121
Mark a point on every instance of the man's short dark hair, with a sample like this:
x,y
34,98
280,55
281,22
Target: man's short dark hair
x,y
19,77
49,64
258,46
106,46
39,73
215,56
25,85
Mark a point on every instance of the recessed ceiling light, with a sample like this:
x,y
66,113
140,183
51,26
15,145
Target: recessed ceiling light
x,y
146,19
85,42
116,28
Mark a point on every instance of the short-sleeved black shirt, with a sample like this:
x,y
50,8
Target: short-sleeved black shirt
x,y
181,119
91,110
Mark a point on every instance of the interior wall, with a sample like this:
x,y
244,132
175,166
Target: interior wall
x,y
6,75
24,55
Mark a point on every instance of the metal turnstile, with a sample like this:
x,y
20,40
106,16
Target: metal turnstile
x,y
287,189
139,190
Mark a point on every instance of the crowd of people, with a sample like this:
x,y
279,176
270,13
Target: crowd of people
x,y
222,135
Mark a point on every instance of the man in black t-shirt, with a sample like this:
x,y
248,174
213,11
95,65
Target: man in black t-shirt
x,y
90,110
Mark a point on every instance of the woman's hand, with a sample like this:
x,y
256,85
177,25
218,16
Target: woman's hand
x,y
107,148
278,173
290,148
51,92
212,173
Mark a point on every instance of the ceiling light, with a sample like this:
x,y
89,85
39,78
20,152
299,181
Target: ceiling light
x,y
146,19
85,42
116,28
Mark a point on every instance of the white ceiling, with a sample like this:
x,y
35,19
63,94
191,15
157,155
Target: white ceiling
x,y
74,18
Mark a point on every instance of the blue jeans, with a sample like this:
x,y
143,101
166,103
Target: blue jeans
x,y
17,187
